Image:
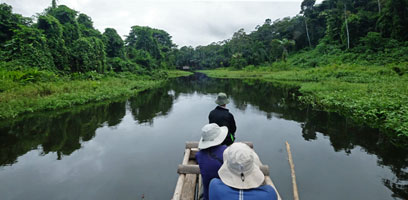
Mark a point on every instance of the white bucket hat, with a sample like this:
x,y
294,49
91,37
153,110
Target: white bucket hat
x,y
212,135
241,167
222,99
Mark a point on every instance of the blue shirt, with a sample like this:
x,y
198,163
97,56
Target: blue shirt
x,y
210,161
220,191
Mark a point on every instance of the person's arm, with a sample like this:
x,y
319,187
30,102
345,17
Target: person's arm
x,y
233,127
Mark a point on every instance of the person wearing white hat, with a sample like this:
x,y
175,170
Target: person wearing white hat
x,y
240,176
210,156
221,116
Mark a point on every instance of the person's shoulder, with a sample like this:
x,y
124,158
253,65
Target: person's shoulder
x,y
217,189
269,190
216,182
222,147
199,154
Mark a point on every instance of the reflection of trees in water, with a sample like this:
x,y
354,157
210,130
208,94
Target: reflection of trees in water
x,y
346,136
150,104
61,133
276,101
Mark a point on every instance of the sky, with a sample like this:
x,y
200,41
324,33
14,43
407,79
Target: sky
x,y
189,22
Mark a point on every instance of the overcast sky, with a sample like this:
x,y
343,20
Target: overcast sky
x,y
189,22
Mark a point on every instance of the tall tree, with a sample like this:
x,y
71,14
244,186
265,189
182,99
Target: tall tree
x,y
9,22
345,20
306,8
53,31
54,4
114,44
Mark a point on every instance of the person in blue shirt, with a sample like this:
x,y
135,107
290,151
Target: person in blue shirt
x,y
210,156
241,177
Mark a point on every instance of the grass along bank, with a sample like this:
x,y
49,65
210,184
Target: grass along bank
x,y
32,90
376,96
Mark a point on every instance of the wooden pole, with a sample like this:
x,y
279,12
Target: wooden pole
x,y
292,169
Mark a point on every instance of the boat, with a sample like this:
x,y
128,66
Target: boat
x,y
189,184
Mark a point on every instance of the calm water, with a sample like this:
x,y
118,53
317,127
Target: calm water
x,y
131,148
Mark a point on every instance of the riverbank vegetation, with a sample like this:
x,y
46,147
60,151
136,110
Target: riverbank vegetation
x,y
344,56
58,59
349,57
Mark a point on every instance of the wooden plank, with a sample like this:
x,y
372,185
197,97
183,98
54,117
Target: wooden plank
x,y
200,186
190,183
193,153
188,169
181,178
195,169
194,144
186,156
179,185
189,186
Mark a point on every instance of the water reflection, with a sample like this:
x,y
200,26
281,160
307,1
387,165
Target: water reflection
x,y
65,132
343,134
150,104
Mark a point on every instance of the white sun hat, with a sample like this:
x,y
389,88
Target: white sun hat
x,y
241,167
212,135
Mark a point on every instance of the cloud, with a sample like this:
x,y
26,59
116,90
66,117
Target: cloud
x,y
191,22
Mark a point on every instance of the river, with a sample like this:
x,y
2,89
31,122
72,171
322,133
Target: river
x,y
130,149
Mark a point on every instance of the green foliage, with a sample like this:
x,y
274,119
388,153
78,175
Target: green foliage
x,y
119,65
28,47
9,22
142,58
141,38
67,17
63,94
86,26
88,55
237,61
113,43
53,31
371,95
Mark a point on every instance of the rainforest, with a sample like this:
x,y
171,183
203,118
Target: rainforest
x,y
343,56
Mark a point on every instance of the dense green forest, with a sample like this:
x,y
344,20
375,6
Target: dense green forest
x,y
58,59
373,31
348,57
64,40
344,56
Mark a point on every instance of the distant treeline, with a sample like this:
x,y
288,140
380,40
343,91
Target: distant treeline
x,y
360,26
64,40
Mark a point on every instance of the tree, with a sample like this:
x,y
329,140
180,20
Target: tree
x,y
86,26
9,22
142,38
306,8
54,4
345,21
284,44
53,31
114,44
393,20
28,47
67,18
88,55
